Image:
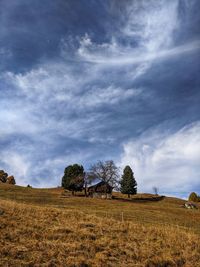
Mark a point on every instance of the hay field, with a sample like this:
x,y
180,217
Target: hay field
x,y
39,228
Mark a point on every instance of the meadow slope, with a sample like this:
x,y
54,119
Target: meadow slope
x,y
40,228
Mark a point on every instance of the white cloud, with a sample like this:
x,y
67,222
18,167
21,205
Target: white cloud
x,y
137,56
57,82
41,90
149,23
110,95
168,161
44,81
17,119
148,34
17,165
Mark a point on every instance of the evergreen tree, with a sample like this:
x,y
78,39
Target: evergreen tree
x,y
128,182
73,179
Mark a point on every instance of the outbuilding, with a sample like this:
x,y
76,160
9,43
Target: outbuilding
x,y
100,190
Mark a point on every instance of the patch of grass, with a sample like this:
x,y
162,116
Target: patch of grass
x,y
39,228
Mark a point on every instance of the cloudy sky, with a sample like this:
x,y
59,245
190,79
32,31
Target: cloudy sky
x,y
89,80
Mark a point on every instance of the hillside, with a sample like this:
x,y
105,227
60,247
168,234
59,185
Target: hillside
x,y
41,228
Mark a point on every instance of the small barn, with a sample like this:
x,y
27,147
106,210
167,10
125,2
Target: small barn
x,y
100,190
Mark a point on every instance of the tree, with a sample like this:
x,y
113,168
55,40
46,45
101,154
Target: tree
x,y
3,176
73,179
155,190
128,182
10,180
193,197
106,171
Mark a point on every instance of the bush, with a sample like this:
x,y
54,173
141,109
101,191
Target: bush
x,y
193,197
10,180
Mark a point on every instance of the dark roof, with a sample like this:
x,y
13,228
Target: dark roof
x,y
101,187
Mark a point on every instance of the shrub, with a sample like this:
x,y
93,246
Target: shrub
x,y
193,197
10,180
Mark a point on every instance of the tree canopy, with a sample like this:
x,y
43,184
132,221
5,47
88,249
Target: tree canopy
x,y
73,178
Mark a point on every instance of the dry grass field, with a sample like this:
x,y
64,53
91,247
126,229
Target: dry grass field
x,y
41,228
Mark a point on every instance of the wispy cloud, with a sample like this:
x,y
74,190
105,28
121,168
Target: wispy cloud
x,y
53,104
132,57
150,36
148,23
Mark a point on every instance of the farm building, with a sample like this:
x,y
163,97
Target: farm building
x,y
100,190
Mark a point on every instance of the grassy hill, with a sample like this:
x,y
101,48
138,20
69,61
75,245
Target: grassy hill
x,y
41,227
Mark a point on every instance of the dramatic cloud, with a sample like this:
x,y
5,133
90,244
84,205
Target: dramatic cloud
x,y
169,161
75,87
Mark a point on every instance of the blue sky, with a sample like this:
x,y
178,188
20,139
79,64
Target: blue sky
x,y
82,81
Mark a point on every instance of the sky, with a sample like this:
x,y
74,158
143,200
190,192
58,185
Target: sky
x,y
89,80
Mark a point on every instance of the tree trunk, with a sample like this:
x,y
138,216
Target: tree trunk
x,y
85,191
128,195
72,193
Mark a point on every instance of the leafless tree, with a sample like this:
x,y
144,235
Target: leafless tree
x,y
106,171
88,179
155,190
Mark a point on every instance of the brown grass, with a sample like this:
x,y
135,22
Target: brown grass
x,y
47,230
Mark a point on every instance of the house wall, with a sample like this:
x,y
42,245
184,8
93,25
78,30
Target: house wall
x,y
102,195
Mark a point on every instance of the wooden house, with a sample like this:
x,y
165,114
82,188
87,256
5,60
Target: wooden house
x,y
100,190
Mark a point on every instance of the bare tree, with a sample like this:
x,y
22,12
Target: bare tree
x,y
106,171
155,190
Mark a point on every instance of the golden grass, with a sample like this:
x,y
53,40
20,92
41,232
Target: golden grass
x,y
47,230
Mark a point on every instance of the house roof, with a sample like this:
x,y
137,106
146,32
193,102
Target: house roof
x,y
101,187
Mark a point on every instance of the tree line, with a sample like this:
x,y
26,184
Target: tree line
x,y
76,179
